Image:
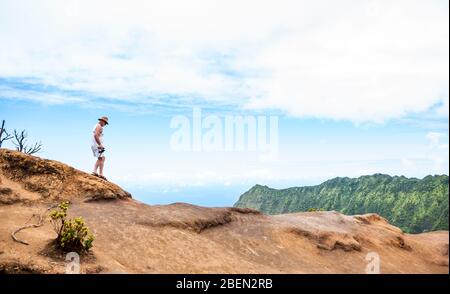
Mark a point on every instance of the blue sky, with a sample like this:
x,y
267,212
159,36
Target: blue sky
x,y
359,87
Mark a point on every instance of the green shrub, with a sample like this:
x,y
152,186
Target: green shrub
x,y
313,209
73,234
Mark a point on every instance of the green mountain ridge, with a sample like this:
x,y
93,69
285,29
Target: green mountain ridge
x,y
414,205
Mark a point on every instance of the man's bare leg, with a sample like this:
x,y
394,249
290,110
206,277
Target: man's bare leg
x,y
97,165
102,162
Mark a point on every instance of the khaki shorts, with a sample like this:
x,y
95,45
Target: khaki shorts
x,y
96,152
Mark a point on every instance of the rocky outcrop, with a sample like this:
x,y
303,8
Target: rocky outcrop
x,y
26,178
134,237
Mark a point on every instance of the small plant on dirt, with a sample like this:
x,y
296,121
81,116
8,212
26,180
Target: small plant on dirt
x,y
73,234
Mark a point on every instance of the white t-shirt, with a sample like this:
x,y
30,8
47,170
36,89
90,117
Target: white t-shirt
x,y
94,142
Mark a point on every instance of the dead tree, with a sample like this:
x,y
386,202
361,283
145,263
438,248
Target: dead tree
x,y
4,136
20,141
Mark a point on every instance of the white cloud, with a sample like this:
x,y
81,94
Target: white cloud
x,y
435,139
438,151
363,61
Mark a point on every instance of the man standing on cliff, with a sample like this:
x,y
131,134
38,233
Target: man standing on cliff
x,y
97,146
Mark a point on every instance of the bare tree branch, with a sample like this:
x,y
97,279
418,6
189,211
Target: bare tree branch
x,y
20,141
33,149
39,223
4,136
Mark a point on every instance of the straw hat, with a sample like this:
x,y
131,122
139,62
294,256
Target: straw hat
x,y
105,119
